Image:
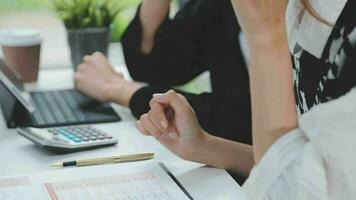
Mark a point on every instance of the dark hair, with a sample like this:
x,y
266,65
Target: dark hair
x,y
314,13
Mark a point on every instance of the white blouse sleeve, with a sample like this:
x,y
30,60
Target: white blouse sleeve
x,y
290,170
316,161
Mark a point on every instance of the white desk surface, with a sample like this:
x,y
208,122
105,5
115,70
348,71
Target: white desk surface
x,y
19,155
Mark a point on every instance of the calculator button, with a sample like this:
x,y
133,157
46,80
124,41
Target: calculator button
x,y
57,133
86,134
93,138
63,132
71,136
77,140
79,135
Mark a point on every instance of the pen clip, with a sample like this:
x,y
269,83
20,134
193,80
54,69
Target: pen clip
x,y
135,157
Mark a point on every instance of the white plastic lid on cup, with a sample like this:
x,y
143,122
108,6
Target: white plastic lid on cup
x,y
20,37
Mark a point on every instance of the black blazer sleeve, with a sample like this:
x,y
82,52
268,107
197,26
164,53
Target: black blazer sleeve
x,y
226,115
177,55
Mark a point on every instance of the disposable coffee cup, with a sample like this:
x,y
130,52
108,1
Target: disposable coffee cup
x,y
21,49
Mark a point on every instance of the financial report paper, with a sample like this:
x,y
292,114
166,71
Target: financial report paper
x,y
139,181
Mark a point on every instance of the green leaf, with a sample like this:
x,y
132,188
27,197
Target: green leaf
x,y
89,13
86,22
99,18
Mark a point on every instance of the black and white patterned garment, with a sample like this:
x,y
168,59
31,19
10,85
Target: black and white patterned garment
x,y
316,160
320,80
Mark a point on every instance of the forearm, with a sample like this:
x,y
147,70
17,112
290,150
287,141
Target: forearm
x,y
152,14
272,94
225,154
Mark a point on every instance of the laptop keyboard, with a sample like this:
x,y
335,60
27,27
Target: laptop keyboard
x,y
57,107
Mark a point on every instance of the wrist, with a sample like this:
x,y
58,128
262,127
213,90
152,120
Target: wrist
x,y
270,50
198,152
271,40
147,44
121,91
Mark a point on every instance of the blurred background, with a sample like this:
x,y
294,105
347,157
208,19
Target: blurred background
x,y
40,14
55,52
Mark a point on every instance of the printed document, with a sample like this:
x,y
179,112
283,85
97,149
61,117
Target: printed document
x,y
140,181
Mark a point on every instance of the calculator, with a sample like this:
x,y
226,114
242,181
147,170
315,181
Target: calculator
x,y
69,138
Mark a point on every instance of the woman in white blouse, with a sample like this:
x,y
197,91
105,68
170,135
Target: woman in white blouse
x,y
305,157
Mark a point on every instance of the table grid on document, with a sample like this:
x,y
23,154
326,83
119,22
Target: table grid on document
x,y
140,186
14,182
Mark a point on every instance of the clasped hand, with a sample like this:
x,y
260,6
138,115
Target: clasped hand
x,y
173,122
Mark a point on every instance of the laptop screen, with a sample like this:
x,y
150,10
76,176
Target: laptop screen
x,y
10,92
7,102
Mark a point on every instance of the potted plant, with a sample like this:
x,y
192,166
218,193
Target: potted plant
x,y
88,24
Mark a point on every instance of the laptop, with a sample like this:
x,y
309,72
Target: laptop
x,y
43,109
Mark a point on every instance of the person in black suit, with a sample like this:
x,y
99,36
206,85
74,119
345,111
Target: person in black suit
x,y
163,52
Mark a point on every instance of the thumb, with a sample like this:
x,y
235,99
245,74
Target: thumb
x,y
174,100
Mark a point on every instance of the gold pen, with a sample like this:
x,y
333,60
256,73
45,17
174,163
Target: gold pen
x,y
106,160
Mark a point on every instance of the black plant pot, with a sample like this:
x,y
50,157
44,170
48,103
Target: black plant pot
x,y
84,42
